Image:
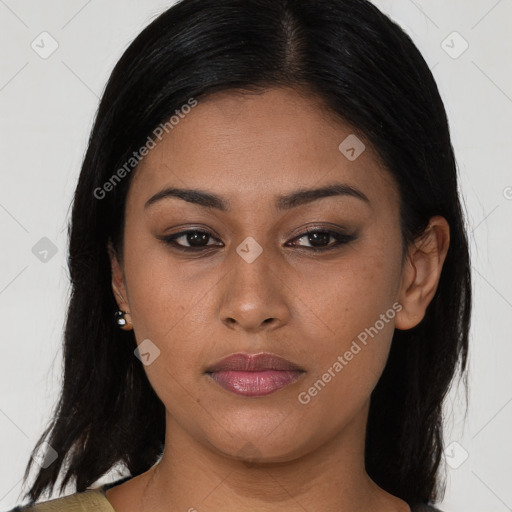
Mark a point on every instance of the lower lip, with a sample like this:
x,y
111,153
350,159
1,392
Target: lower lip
x,y
257,383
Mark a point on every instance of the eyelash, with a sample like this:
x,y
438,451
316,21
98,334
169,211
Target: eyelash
x,y
341,239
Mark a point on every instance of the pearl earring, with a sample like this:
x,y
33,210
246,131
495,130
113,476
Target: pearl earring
x,y
122,321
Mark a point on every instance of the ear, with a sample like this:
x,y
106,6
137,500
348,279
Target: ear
x,y
421,272
118,284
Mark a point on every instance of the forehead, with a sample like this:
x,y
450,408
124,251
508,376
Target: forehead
x,y
246,146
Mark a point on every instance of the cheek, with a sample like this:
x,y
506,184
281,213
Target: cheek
x,y
162,306
160,294
349,362
345,297
169,305
354,323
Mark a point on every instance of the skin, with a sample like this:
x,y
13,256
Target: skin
x,y
225,452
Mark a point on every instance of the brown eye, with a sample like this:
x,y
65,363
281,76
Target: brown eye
x,y
193,239
318,240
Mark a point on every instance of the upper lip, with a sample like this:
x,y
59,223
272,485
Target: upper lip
x,y
253,362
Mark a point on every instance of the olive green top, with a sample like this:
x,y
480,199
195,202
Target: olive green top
x,y
93,500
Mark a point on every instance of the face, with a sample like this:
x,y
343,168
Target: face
x,y
311,280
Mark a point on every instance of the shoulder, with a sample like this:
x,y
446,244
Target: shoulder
x,y
423,507
91,500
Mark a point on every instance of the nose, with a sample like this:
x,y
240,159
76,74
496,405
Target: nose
x,y
254,295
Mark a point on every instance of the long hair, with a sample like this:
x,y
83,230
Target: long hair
x,y
368,73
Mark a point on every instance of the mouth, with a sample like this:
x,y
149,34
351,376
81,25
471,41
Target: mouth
x,y
254,374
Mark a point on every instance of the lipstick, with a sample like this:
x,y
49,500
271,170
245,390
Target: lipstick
x,y
254,374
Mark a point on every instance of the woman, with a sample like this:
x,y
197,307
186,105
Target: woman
x,y
271,287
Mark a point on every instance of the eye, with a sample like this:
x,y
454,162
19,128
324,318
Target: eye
x,y
195,238
318,239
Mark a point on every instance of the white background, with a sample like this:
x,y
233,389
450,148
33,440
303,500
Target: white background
x,y
47,108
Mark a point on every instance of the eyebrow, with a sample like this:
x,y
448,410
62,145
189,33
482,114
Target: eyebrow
x,y
283,202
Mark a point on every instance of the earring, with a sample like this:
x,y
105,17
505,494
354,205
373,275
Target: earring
x,y
123,322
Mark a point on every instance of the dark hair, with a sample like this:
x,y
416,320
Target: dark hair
x,y
368,73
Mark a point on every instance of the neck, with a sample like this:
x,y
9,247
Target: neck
x,y
331,476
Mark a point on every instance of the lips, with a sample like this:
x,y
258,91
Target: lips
x,y
253,362
254,374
